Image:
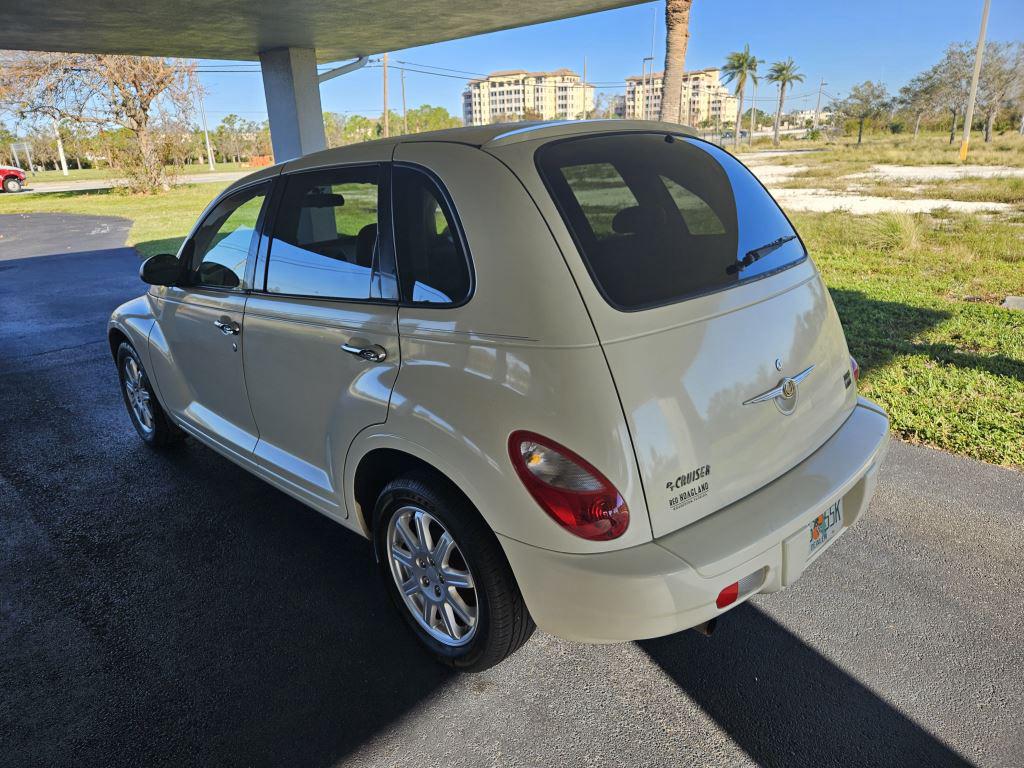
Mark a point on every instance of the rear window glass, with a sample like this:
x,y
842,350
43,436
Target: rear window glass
x,y
658,219
432,265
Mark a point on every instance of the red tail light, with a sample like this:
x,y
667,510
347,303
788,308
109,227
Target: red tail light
x,y
854,368
568,488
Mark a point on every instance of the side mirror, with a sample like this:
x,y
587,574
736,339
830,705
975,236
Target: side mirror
x,y
162,269
212,273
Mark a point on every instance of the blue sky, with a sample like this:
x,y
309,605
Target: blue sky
x,y
843,41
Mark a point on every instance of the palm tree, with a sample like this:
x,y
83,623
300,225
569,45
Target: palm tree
x,y
677,35
740,66
785,74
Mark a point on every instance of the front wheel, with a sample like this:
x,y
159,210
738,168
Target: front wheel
x,y
12,184
447,575
148,418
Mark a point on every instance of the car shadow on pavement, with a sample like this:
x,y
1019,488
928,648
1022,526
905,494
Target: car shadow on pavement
x,y
166,607
170,608
787,705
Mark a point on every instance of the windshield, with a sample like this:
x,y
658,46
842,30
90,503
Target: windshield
x,y
661,218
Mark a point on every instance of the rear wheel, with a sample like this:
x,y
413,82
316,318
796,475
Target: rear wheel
x,y
447,575
148,418
12,184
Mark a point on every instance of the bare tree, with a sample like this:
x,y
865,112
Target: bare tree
x,y
1001,72
865,101
134,93
677,37
920,96
953,74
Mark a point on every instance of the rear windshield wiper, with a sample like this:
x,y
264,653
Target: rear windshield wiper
x,y
758,253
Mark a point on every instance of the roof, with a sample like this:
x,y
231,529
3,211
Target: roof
x,y
483,136
661,74
496,134
240,29
563,72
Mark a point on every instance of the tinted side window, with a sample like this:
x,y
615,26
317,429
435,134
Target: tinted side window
x,y
224,239
325,238
432,264
661,219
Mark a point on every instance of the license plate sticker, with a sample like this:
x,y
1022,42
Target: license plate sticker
x,y
824,528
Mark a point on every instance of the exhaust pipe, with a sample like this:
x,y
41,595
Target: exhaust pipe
x,y
707,627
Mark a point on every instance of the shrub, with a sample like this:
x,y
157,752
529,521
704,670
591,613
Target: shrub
x,y
894,232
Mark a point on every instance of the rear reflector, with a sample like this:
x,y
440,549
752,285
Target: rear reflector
x,y
745,586
728,595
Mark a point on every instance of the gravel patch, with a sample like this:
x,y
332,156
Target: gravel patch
x,y
936,172
823,200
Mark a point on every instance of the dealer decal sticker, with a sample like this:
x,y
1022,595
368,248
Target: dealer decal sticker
x,y
688,487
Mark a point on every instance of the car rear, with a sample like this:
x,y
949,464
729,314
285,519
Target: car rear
x,y
729,361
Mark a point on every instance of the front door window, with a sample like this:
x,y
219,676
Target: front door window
x,y
223,241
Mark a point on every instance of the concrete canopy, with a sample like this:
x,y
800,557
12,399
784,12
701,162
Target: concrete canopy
x,y
241,29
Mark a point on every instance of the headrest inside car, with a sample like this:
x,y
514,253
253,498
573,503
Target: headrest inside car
x,y
636,220
323,200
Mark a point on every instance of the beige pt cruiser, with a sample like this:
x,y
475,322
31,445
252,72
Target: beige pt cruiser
x,y
579,374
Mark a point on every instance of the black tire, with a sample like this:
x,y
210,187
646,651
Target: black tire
x,y
161,432
503,622
12,184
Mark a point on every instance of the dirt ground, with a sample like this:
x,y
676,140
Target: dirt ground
x,y
773,174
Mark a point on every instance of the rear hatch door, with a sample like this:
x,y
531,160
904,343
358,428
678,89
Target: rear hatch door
x,y
725,348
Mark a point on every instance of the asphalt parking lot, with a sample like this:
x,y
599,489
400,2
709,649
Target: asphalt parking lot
x,y
170,609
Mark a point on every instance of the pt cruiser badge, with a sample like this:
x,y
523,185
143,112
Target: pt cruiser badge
x,y
784,394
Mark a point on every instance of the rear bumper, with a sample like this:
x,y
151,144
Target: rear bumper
x,y
671,583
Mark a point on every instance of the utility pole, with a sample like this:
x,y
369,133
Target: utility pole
x,y
817,107
654,36
60,148
648,80
405,114
206,133
585,110
979,51
642,106
387,131
753,112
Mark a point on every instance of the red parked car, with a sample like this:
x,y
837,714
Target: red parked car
x,y
11,178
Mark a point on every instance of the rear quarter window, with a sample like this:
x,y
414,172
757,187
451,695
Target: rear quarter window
x,y
659,218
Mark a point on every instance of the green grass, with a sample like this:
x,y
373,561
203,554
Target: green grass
x,y
918,296
94,174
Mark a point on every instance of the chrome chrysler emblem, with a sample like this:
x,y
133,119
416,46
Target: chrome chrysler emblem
x,y
784,394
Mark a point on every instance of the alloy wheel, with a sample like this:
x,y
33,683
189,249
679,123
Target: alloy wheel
x,y
432,576
138,395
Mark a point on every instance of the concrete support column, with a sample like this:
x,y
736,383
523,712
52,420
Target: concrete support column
x,y
293,102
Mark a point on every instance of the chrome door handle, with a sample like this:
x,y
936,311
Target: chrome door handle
x,y
229,328
375,353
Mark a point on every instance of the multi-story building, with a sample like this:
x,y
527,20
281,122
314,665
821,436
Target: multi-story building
x,y
518,94
805,116
704,97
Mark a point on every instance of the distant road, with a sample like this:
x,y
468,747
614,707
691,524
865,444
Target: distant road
x,y
42,187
